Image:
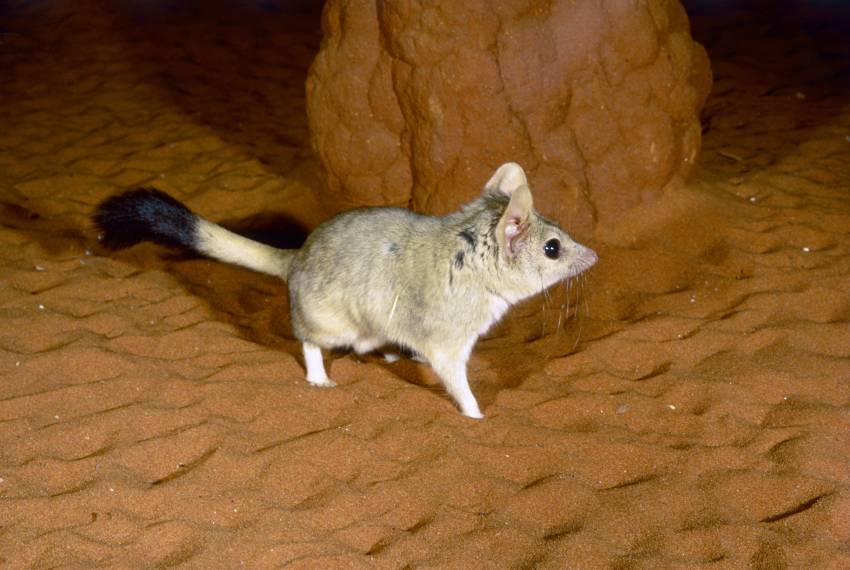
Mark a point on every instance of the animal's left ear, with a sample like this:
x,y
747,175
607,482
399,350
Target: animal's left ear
x,y
506,180
512,228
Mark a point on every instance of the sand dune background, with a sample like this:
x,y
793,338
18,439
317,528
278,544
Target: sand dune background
x,y
694,411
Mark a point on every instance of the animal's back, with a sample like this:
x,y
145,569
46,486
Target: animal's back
x,y
366,270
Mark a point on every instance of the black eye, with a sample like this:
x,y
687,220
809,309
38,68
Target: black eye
x,y
551,248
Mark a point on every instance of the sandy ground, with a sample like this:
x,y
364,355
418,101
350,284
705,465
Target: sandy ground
x,y
692,412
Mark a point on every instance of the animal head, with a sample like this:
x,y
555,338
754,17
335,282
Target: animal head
x,y
534,252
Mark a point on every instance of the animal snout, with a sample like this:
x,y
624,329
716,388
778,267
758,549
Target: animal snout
x,y
585,258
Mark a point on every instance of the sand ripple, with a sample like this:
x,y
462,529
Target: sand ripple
x,y
694,411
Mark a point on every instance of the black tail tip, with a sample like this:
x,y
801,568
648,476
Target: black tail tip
x,y
145,214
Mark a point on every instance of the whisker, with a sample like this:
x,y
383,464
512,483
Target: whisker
x,y
545,291
565,304
547,303
579,292
586,305
560,319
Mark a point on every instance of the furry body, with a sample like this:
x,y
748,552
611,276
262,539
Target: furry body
x,y
377,276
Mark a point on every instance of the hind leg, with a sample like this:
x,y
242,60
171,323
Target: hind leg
x,y
316,374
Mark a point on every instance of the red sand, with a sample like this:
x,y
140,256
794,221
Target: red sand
x,y
153,411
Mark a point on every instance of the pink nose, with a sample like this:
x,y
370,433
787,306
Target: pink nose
x,y
587,257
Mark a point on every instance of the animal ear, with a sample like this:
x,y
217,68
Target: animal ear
x,y
512,228
506,180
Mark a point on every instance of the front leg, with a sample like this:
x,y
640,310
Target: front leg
x,y
452,371
316,374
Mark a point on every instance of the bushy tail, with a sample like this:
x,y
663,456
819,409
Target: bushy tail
x,y
151,215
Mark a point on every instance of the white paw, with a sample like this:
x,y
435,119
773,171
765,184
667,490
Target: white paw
x,y
391,357
323,382
473,413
